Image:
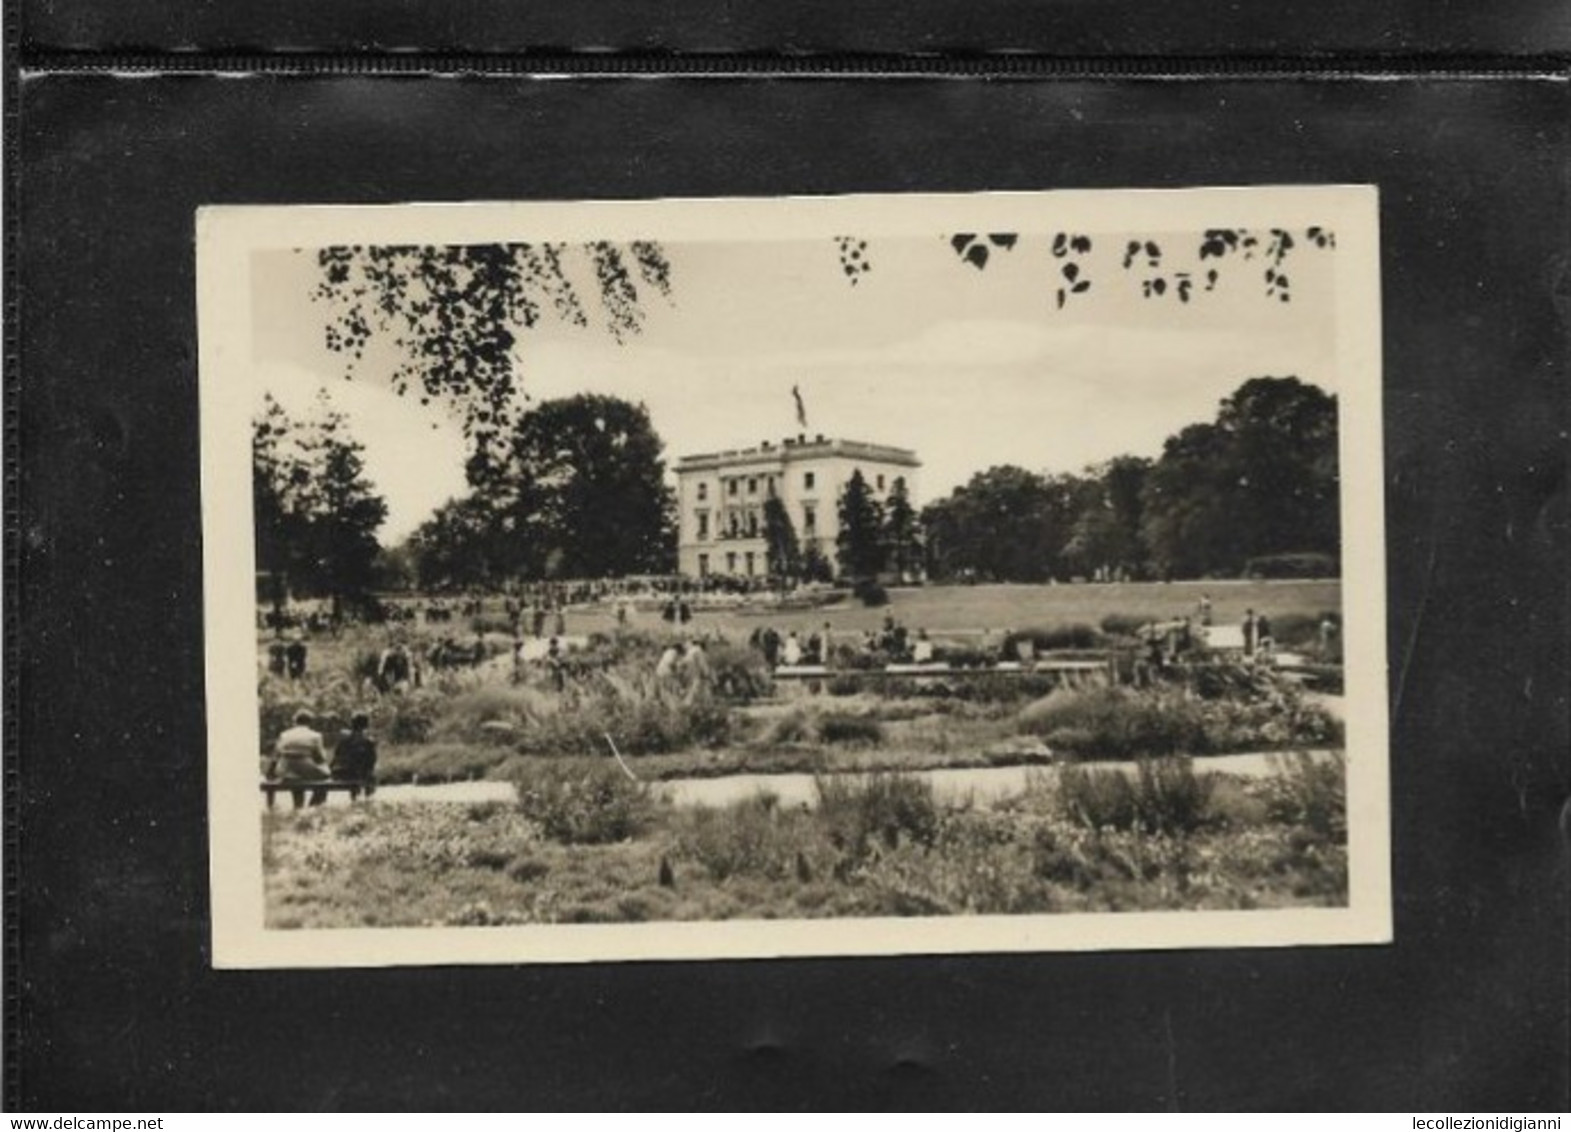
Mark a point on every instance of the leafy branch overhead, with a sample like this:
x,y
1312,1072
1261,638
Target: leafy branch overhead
x,y
451,316
1158,274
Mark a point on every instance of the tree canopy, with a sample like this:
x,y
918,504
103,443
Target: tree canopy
x,y
576,490
316,513
453,315
1259,480
860,544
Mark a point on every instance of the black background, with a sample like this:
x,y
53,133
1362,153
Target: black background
x,y
117,1007
1064,28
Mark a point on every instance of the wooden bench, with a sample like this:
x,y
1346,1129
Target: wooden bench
x,y
272,787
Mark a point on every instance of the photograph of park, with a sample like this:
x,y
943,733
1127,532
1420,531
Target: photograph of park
x,y
759,575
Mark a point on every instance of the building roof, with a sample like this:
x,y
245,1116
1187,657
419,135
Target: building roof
x,y
796,448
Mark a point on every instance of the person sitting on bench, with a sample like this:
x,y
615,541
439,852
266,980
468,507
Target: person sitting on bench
x,y
354,759
300,756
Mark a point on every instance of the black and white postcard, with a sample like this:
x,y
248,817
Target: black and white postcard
x,y
900,574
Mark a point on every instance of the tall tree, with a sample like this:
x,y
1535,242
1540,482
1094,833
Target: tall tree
x,y
902,532
349,512
1106,532
1283,473
583,485
1006,524
782,550
316,512
465,542
1261,480
860,544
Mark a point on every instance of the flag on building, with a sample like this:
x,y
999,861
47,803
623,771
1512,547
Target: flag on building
x,y
801,409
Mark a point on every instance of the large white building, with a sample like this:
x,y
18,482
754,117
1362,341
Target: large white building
x,y
721,498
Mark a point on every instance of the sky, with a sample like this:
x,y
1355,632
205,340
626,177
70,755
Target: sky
x,y
968,368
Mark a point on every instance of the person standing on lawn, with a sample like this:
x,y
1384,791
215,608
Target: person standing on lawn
x,y
1251,632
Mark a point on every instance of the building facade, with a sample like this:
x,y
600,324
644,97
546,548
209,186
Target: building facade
x,y
721,498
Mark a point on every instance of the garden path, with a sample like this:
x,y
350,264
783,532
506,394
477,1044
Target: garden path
x,y
983,785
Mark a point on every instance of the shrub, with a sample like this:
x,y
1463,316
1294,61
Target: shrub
x,y
1117,722
860,812
974,866
843,727
963,656
526,867
753,837
583,801
1171,797
490,623
1123,624
1002,688
738,673
1308,792
1097,799
1164,796
1135,723
1051,638
1303,565
870,593
796,726
640,713
465,714
846,684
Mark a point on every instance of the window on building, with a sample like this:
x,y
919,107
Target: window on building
x,y
703,491
730,562
752,485
731,487
752,524
810,520
735,525
703,524
749,563
703,565
880,482
807,480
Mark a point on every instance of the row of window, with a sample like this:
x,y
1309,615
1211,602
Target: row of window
x,y
733,485
730,563
750,523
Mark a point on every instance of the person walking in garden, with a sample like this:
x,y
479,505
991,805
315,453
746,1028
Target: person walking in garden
x,y
354,759
770,640
295,656
670,659
1251,632
557,663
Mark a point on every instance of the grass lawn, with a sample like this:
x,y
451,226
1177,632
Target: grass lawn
x,y
1004,607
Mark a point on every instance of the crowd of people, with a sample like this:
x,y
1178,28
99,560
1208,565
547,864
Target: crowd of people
x,y
893,643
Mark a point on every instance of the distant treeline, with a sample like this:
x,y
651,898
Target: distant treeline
x,y
1253,492
579,491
